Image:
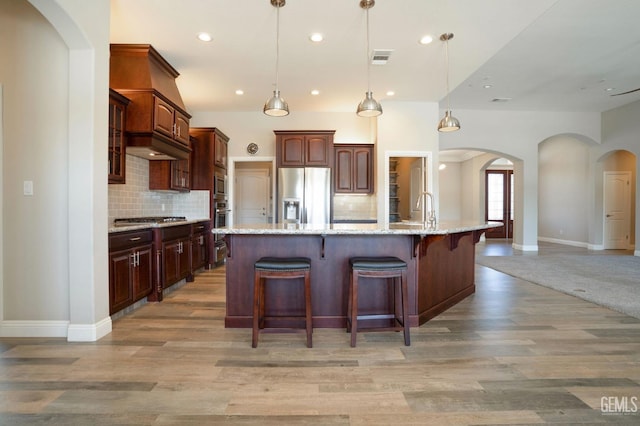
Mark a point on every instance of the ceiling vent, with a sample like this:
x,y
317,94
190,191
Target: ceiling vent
x,y
500,99
380,56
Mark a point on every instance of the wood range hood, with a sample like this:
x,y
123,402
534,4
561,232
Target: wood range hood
x,y
157,123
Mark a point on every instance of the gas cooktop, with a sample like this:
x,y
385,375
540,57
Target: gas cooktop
x,y
126,221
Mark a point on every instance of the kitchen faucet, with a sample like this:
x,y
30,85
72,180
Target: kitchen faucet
x,y
430,220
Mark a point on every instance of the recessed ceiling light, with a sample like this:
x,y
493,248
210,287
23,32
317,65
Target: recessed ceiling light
x,y
487,86
316,37
609,89
391,93
315,92
204,37
239,92
426,39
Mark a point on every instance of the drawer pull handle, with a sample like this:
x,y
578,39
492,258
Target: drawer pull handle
x,y
135,238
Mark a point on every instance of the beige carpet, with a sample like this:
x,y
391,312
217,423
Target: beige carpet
x,y
607,280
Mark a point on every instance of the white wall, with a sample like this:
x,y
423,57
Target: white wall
x,y
35,149
55,78
451,189
515,135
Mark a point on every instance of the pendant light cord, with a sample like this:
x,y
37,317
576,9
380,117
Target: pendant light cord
x,y
367,56
277,42
446,54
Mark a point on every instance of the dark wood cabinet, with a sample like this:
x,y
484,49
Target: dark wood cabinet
x,y
117,140
172,245
200,237
304,148
130,268
353,169
169,175
157,120
208,156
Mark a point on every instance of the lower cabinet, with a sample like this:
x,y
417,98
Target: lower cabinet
x,y
175,243
130,268
200,237
145,262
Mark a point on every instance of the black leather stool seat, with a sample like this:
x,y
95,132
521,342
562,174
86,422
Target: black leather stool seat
x,y
283,264
281,268
387,267
377,263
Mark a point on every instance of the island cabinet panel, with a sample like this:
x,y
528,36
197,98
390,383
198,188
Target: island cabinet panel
x,y
440,272
200,245
329,275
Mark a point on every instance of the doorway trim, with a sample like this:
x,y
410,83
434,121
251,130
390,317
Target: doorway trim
x,y
627,200
428,158
231,172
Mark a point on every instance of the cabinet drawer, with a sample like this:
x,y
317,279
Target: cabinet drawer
x,y
174,232
124,240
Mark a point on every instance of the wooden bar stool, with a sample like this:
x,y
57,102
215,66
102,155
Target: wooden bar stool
x,y
280,268
378,267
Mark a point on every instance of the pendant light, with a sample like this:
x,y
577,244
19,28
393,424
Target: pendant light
x,y
276,106
369,107
449,123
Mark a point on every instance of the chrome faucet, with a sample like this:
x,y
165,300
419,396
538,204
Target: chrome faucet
x,y
430,219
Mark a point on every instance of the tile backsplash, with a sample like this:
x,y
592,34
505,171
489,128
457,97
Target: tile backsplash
x,y
134,199
354,207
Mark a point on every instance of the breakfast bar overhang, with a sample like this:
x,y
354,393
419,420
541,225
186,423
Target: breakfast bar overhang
x,y
440,261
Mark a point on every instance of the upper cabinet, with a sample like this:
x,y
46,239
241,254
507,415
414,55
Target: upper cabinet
x,y
157,122
209,156
117,141
296,148
353,169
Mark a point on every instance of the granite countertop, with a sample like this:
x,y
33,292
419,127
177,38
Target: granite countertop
x,y
137,227
400,228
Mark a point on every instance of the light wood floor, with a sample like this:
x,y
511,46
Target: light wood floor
x,y
513,353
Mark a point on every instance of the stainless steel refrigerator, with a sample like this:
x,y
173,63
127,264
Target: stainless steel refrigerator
x,y
304,195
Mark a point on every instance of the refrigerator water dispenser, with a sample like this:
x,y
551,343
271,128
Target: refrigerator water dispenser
x,y
291,209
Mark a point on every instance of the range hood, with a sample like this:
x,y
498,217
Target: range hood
x,y
157,123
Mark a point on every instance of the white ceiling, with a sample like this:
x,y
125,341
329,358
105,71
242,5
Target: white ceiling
x,y
543,54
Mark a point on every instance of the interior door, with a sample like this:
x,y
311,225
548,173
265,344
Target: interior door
x,y
616,200
499,202
252,196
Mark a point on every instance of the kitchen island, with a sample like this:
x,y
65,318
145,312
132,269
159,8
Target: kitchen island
x,y
440,267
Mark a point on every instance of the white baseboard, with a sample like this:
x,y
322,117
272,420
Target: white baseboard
x,y
525,248
72,332
564,242
595,247
89,332
33,328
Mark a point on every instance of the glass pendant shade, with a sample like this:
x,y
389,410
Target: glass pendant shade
x,y
369,107
276,106
449,123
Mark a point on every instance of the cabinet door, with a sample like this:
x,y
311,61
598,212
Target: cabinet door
x,y
171,252
163,117
184,259
363,170
199,247
343,170
292,151
180,175
317,151
142,273
120,289
181,128
220,152
116,141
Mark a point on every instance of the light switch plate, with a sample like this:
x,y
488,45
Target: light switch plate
x,y
27,187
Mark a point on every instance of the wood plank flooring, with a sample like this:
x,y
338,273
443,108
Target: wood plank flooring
x,y
513,353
